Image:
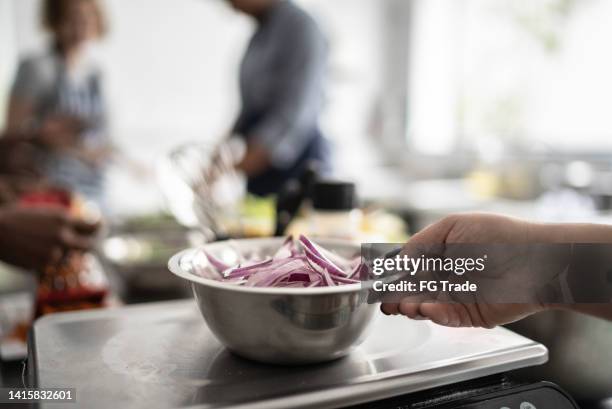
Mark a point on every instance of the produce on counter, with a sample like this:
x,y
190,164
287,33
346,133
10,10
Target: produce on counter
x,y
77,281
298,264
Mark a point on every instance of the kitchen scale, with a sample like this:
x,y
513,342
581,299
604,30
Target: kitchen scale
x,y
162,355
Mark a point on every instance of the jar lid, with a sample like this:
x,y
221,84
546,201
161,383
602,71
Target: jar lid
x,y
334,195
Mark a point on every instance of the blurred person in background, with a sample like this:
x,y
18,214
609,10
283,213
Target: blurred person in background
x,y
282,91
57,96
33,238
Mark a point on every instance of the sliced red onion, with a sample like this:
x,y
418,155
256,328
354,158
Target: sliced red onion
x,y
206,271
215,262
269,275
287,250
290,285
327,279
308,265
318,264
336,264
344,280
343,263
356,273
250,269
324,263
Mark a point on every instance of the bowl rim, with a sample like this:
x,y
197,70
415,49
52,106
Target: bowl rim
x,y
176,269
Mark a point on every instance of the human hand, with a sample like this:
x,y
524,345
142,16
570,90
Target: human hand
x,y
255,161
34,238
7,193
18,157
60,132
511,272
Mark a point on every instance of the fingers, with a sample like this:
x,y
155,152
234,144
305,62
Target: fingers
x,y
83,227
71,239
37,238
431,243
446,314
436,233
60,131
419,311
32,254
71,233
78,234
390,308
411,310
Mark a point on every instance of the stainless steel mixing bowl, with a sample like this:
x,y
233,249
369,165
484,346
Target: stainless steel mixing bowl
x,y
288,326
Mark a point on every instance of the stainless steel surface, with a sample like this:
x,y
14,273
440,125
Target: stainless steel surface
x,y
279,325
161,356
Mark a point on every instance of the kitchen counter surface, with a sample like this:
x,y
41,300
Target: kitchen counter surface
x,y
163,355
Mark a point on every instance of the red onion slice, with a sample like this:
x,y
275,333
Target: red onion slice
x,y
291,266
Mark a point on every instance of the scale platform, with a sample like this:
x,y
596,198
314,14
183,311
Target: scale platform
x,y
162,355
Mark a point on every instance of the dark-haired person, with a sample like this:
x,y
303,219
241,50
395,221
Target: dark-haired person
x,y
57,95
281,87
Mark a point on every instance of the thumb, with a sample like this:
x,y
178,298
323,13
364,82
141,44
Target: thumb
x,y
431,240
429,243
436,233
450,315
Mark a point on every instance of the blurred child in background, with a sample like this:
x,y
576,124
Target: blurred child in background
x,y
57,96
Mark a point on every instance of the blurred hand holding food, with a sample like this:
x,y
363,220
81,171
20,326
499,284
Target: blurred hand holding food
x,y
34,237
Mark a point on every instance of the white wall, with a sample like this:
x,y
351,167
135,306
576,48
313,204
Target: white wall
x,y
355,29
485,71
